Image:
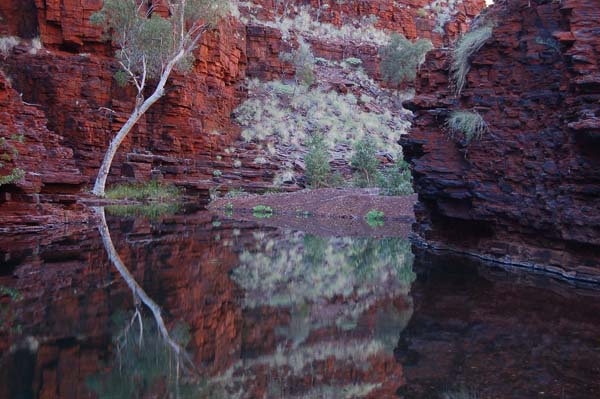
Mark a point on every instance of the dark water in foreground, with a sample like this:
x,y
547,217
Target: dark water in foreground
x,y
197,307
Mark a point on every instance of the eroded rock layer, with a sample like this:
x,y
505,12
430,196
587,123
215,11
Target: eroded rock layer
x,y
188,137
528,191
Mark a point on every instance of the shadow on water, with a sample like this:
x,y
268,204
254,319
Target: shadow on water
x,y
182,305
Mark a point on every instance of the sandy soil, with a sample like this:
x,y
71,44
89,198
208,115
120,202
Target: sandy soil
x,y
332,203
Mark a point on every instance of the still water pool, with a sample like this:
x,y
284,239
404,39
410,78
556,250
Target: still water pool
x,y
197,306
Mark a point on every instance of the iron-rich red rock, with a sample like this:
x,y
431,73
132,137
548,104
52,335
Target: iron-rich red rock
x,y
189,133
529,190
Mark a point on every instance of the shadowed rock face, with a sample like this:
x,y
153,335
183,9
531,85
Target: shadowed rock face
x,y
528,191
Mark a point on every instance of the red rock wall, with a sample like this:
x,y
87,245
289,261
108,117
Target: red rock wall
x,y
51,175
529,190
187,135
412,18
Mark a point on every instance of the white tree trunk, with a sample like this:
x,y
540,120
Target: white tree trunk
x,y
139,110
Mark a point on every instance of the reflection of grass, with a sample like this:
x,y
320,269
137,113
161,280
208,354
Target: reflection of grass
x,y
462,393
306,267
150,211
375,218
151,191
262,211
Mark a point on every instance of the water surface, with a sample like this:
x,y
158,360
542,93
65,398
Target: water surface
x,y
197,306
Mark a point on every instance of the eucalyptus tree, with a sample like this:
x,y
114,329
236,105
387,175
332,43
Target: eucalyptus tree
x,y
150,46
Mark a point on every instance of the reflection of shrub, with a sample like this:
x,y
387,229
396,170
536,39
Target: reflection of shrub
x,y
317,163
262,211
375,218
464,49
401,59
469,123
151,211
304,268
396,180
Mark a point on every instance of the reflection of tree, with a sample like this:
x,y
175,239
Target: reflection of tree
x,y
147,355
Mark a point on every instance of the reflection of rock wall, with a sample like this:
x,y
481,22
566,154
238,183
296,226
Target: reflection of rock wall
x,y
347,301
71,292
500,334
528,191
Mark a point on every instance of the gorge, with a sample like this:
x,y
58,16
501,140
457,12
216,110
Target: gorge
x,y
264,284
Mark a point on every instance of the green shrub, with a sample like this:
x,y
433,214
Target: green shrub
x,y
151,191
375,218
292,114
469,123
353,62
303,60
365,163
9,153
396,180
317,163
235,192
401,59
217,173
464,49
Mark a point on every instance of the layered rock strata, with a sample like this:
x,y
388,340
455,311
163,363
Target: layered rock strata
x,y
527,191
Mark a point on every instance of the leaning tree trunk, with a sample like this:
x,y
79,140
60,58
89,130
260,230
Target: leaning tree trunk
x,y
139,110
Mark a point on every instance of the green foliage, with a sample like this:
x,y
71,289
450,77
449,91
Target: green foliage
x,y
217,173
365,163
121,77
304,61
9,153
468,123
289,114
464,49
422,13
401,59
375,218
396,180
235,193
151,191
353,62
14,294
303,24
262,211
316,160
149,41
